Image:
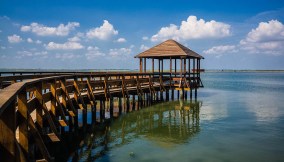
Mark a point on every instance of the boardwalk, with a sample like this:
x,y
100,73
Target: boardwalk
x,y
36,106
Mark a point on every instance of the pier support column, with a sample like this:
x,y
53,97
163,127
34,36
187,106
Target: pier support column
x,y
94,112
119,106
111,107
173,94
167,95
133,102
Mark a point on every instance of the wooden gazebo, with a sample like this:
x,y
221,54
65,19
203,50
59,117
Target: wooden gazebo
x,y
188,74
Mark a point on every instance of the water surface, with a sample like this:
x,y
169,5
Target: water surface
x,y
237,117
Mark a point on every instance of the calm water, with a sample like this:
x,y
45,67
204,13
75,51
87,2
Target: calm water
x,y
238,117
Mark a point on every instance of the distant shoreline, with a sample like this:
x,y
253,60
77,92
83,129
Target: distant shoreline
x,y
4,70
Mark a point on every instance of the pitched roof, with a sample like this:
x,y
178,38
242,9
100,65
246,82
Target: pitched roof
x,y
168,48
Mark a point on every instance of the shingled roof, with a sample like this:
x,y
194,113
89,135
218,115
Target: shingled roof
x,y
167,49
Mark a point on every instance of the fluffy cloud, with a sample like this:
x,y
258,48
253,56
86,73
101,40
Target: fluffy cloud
x,y
117,52
121,40
41,30
267,38
64,46
93,52
193,29
145,38
74,39
143,47
30,40
103,32
221,50
14,39
66,56
38,54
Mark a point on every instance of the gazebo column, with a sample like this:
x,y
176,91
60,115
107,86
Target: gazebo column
x,y
171,65
175,67
144,65
184,66
140,65
162,65
159,66
181,67
153,65
189,67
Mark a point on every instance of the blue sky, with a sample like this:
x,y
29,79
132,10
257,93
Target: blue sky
x,y
103,34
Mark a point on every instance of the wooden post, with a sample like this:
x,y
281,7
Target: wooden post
x,y
175,67
101,110
111,107
39,112
144,65
181,69
184,66
141,65
7,133
159,66
153,65
23,126
189,68
119,105
133,102
171,65
162,65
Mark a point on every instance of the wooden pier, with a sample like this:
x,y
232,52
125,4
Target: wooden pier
x,y
35,106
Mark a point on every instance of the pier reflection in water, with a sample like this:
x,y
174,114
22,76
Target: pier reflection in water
x,y
165,126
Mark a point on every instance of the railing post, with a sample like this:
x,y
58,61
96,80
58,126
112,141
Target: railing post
x,y
7,133
23,123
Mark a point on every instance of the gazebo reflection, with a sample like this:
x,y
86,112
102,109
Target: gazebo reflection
x,y
163,124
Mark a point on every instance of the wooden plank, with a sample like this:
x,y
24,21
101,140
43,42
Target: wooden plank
x,y
39,113
71,113
62,123
38,140
23,125
53,137
7,133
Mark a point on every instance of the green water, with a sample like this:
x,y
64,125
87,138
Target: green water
x,y
237,117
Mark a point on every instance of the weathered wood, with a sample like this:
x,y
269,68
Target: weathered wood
x,y
23,125
39,112
7,133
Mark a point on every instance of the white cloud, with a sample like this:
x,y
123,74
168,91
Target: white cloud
x,y
41,30
117,52
103,32
38,42
30,40
143,47
64,46
74,39
267,38
193,29
221,50
14,39
38,54
66,56
145,38
121,40
93,52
